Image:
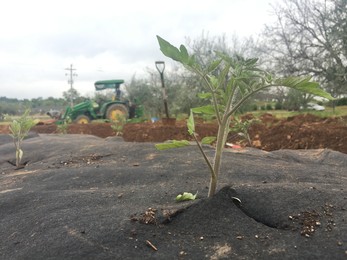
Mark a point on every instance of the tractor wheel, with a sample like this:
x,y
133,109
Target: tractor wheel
x,y
82,119
116,110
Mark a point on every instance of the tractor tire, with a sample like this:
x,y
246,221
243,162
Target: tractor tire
x,y
82,119
116,110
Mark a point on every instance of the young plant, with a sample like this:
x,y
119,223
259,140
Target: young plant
x,y
241,127
64,126
229,82
118,124
19,129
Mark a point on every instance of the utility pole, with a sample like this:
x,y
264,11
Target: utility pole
x,y
71,81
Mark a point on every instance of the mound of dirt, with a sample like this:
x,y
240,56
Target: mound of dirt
x,y
299,132
81,196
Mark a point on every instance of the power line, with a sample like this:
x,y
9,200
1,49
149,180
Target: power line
x,y
71,75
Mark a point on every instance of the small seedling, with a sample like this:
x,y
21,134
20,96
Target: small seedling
x,y
64,126
242,128
118,124
229,81
19,129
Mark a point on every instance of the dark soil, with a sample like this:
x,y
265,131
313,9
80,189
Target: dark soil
x,y
84,197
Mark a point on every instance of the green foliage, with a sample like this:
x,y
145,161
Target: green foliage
x,y
64,126
72,96
341,102
13,106
278,106
19,129
296,99
242,127
230,81
208,139
118,124
186,196
172,144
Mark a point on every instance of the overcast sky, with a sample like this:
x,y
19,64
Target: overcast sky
x,y
106,39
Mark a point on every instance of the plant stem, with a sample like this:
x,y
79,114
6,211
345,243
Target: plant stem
x,y
213,175
221,139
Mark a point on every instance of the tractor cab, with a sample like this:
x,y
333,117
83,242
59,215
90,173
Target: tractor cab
x,y
110,84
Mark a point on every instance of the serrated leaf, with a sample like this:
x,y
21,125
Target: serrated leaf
x,y
180,55
169,50
208,110
304,85
191,123
184,53
172,144
208,139
186,196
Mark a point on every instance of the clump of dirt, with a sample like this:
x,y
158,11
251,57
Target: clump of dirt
x,y
304,131
301,132
270,133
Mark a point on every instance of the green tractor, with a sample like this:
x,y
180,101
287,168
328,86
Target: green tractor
x,y
85,112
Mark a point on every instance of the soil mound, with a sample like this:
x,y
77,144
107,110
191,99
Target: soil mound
x,y
304,131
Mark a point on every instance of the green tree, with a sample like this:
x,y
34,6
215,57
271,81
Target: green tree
x,y
309,38
72,96
147,93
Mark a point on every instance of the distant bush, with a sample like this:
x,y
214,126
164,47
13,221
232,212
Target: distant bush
x,y
268,107
341,102
278,106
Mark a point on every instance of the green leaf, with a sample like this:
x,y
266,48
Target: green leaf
x,y
184,53
172,144
208,139
205,95
208,110
191,123
214,65
251,62
304,85
186,196
180,55
214,82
